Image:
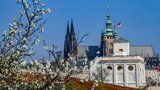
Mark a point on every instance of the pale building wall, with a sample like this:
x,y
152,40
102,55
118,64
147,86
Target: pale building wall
x,y
121,49
129,72
108,49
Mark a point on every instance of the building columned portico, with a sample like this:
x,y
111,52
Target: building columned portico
x,y
121,68
124,71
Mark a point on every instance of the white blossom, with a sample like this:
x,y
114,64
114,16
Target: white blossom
x,y
31,62
42,29
23,62
37,41
35,1
24,46
74,62
50,71
96,84
45,47
43,11
24,39
30,52
32,24
12,32
32,15
86,79
43,72
36,62
43,5
49,10
4,33
14,23
96,81
26,5
19,1
10,42
82,80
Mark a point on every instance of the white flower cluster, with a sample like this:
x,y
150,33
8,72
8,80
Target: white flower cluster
x,y
44,11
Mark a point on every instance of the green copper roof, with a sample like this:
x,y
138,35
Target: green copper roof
x,y
108,16
109,30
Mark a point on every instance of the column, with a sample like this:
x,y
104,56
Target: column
x,y
137,75
114,74
125,75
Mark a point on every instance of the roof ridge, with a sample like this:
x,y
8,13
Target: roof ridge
x,y
140,45
87,45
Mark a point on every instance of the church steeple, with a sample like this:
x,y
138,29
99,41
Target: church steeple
x,y
72,29
107,37
108,22
109,30
73,41
66,42
70,44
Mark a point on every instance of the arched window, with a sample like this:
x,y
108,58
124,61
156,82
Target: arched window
x,y
119,68
109,67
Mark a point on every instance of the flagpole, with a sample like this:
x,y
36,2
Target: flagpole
x,y
116,28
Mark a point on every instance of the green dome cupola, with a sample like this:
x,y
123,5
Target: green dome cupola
x,y
109,30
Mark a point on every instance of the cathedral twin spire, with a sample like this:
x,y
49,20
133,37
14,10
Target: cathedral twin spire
x,y
70,44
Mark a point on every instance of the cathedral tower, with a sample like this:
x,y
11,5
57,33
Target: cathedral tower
x,y
108,35
66,42
70,44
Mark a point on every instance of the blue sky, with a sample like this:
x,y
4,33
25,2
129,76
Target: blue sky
x,y
140,19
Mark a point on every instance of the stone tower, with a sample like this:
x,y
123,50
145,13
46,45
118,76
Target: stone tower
x,y
108,35
66,43
70,44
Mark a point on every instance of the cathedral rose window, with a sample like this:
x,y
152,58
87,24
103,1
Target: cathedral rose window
x,y
130,68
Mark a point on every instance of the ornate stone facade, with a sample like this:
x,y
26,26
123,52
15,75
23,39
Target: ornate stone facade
x,y
115,61
121,68
125,71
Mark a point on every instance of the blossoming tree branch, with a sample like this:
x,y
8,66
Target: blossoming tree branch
x,y
18,43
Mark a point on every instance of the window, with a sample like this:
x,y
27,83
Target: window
x,y
111,44
110,50
119,68
109,67
121,50
130,68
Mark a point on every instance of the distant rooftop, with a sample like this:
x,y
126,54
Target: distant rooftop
x,y
145,51
92,51
120,58
121,40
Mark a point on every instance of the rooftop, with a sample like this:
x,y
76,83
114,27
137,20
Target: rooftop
x,y
121,40
122,58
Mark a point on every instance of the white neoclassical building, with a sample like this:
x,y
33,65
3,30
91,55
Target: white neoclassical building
x,y
121,68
